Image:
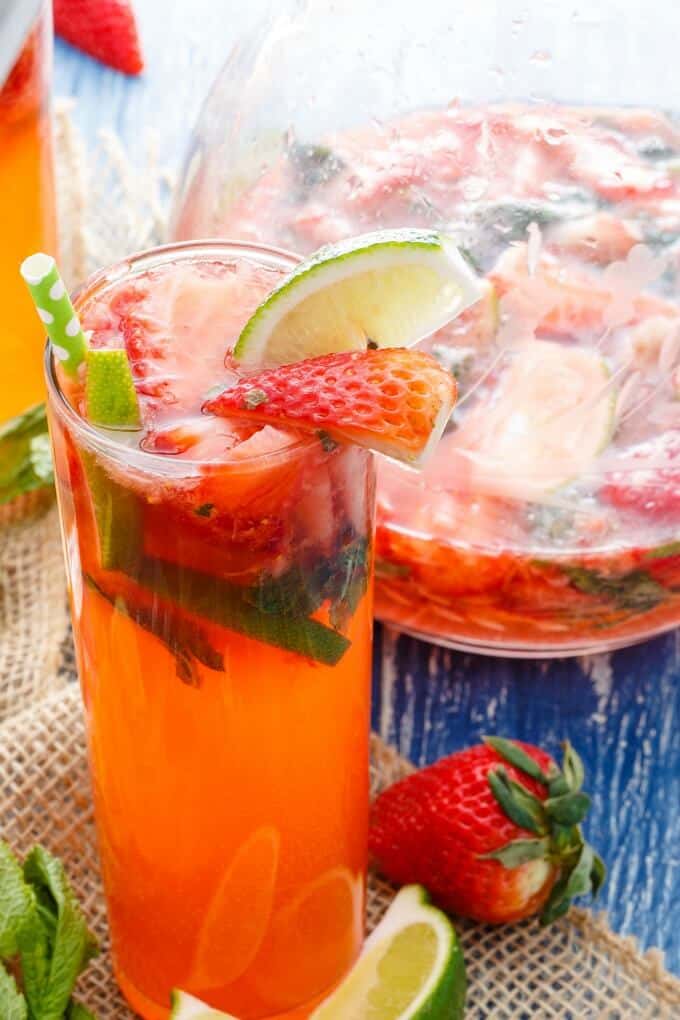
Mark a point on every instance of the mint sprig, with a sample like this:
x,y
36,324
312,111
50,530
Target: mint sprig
x,y
43,935
12,1003
25,459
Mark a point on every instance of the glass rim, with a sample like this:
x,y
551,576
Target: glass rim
x,y
104,440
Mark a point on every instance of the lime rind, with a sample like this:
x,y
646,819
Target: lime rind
x,y
188,1007
391,287
110,395
442,993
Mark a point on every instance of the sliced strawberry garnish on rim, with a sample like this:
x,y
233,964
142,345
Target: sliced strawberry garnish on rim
x,y
394,401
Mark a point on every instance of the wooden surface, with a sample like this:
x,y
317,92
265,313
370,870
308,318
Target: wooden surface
x,y
621,711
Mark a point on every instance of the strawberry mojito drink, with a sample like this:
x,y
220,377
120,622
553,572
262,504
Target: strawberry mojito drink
x,y
219,553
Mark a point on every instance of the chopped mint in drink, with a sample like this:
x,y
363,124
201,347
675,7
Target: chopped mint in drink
x,y
183,638
254,398
236,608
636,591
205,510
328,443
314,164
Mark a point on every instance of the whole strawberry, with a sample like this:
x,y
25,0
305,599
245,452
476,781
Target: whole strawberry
x,y
492,832
105,29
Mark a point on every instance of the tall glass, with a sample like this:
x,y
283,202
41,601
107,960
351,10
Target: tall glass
x,y
27,203
226,688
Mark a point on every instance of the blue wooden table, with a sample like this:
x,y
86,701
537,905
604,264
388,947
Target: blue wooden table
x,y
621,711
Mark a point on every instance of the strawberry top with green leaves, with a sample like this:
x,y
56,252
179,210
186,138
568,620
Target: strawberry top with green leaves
x,y
492,832
392,400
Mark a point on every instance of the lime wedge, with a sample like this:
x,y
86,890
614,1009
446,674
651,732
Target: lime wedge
x,y
389,288
118,517
552,414
186,1007
411,968
110,395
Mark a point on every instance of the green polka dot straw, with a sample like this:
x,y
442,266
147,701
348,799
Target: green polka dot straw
x,y
55,309
110,396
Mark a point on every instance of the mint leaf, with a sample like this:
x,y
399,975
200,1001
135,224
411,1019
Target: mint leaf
x,y
33,943
52,959
327,442
16,902
340,580
183,638
226,604
348,583
25,460
254,398
636,591
388,570
12,1003
76,1011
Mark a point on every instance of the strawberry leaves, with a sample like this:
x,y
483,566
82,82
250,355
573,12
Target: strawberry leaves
x,y
517,756
570,809
519,852
555,820
521,806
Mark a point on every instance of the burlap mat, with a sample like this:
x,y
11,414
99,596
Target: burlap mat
x,y
33,613
576,969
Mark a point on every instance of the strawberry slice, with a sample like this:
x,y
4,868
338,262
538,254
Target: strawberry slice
x,y
104,29
649,482
394,401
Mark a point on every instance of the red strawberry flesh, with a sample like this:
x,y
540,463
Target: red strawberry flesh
x,y
392,400
650,482
104,29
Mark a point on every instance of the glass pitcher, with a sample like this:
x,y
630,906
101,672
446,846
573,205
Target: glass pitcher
x,y
542,136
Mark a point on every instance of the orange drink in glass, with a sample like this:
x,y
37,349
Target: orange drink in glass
x,y
220,581
27,204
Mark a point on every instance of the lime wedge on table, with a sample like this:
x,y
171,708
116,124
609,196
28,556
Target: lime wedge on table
x,y
411,968
186,1007
391,288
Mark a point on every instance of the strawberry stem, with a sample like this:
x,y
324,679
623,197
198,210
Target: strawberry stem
x,y
556,820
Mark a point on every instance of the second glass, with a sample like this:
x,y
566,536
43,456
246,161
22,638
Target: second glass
x,y
222,614
27,202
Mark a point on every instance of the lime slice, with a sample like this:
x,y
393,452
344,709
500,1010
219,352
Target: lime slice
x,y
110,395
411,967
389,288
551,416
118,517
186,1007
